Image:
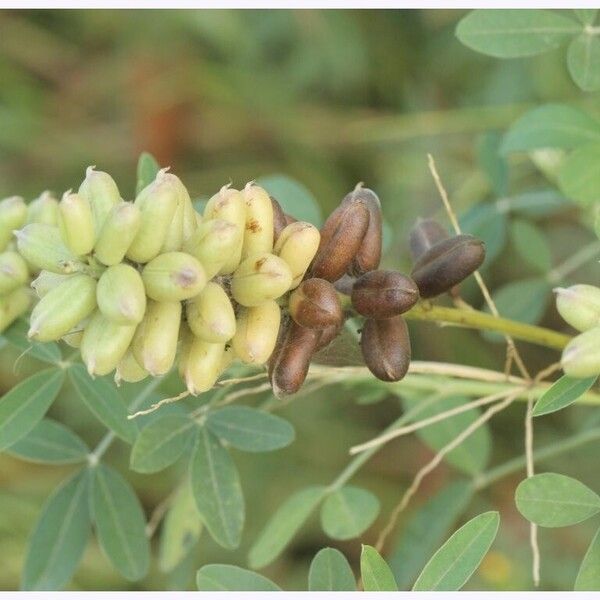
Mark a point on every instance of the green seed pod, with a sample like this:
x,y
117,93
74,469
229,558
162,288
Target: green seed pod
x,y
157,203
13,305
42,247
13,212
227,358
191,219
297,245
175,235
213,244
384,294
258,233
447,263
257,331
13,272
341,239
46,281
260,278
102,193
279,220
203,366
385,346
581,357
315,304
43,209
579,305
121,295
118,232
62,308
186,337
210,314
173,276
76,224
129,370
228,204
425,234
155,341
104,344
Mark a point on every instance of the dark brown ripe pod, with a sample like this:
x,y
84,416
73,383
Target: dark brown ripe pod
x,y
384,294
345,284
447,263
279,219
385,346
328,334
425,234
369,254
289,364
315,304
341,237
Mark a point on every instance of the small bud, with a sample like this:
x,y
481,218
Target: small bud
x,y
42,247
385,347
173,276
315,304
157,203
104,344
13,305
118,232
279,220
43,209
447,263
203,365
425,234
46,281
290,361
121,295
13,212
257,331
384,294
62,308
129,370
579,305
228,204
155,340
213,244
76,224
210,314
258,231
260,278
102,193
581,357
341,238
13,272
297,246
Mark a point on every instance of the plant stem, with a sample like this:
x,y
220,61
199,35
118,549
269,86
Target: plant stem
x,y
573,263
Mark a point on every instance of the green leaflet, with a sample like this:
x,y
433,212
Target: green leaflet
x,y
221,578
330,572
375,572
588,577
561,394
347,512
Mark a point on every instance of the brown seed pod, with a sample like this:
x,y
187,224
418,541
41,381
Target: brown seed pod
x,y
345,284
385,346
328,334
315,304
279,220
341,238
289,363
425,234
384,294
369,254
447,263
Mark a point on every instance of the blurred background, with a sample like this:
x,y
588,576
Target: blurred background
x,y
328,98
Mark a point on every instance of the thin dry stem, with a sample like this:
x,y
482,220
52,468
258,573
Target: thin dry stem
x,y
157,405
533,539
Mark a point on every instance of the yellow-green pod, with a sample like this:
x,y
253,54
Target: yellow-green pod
x,y
74,337
62,308
102,193
129,370
297,245
173,276
121,295
258,232
42,247
228,358
13,305
257,331
210,314
157,203
13,272
104,344
13,213
118,232
43,209
203,366
581,357
186,337
213,243
76,224
174,236
260,278
46,281
155,341
190,216
228,204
